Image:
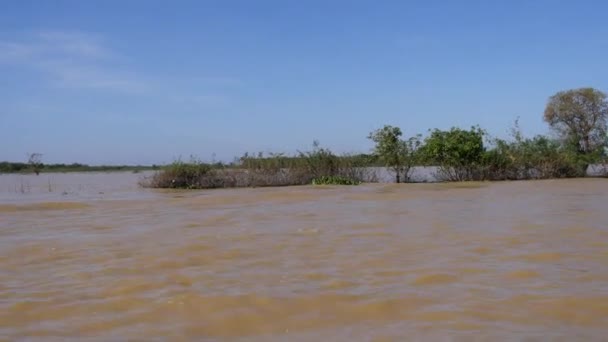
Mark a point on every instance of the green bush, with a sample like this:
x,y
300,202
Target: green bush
x,y
458,153
335,180
532,158
182,175
303,168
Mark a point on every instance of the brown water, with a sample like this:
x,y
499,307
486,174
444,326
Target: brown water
x,y
96,257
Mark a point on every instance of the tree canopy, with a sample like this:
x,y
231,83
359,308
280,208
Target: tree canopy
x,y
395,153
458,152
579,116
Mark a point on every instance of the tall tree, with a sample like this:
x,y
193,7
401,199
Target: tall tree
x,y
579,116
397,154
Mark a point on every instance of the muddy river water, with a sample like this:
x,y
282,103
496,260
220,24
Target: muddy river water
x,y
94,257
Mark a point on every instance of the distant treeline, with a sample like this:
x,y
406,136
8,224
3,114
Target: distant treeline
x,y
11,167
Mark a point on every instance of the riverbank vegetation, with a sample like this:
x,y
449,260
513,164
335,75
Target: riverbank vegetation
x,y
319,166
577,119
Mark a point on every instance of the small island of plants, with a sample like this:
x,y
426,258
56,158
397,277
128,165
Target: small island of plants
x,y
578,118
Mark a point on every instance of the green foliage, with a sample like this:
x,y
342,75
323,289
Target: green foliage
x,y
532,158
395,153
319,165
542,157
184,175
320,161
458,153
335,180
389,146
7,167
275,161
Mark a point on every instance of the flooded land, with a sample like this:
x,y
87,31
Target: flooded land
x,y
95,257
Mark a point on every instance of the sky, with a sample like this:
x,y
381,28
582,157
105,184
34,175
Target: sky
x,y
147,82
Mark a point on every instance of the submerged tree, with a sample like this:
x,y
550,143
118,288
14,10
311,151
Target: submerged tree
x,y
579,116
35,162
395,153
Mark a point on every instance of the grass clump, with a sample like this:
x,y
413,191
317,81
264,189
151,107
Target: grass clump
x,y
335,180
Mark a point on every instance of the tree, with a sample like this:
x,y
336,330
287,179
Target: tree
x,y
412,147
35,162
458,153
579,116
396,154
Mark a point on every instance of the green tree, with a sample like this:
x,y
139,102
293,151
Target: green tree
x,y
412,147
395,153
579,116
458,153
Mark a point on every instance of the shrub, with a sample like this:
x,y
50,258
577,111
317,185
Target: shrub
x,y
532,158
259,171
458,153
182,175
335,180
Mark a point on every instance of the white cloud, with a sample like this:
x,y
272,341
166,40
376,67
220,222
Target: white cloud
x,y
76,43
55,44
78,60
70,59
70,75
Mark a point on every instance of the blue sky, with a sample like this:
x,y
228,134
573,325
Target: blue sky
x,y
149,81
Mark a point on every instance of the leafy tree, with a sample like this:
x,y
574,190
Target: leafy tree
x,y
412,147
458,153
579,116
395,153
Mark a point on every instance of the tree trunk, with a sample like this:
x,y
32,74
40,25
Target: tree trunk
x,y
586,144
